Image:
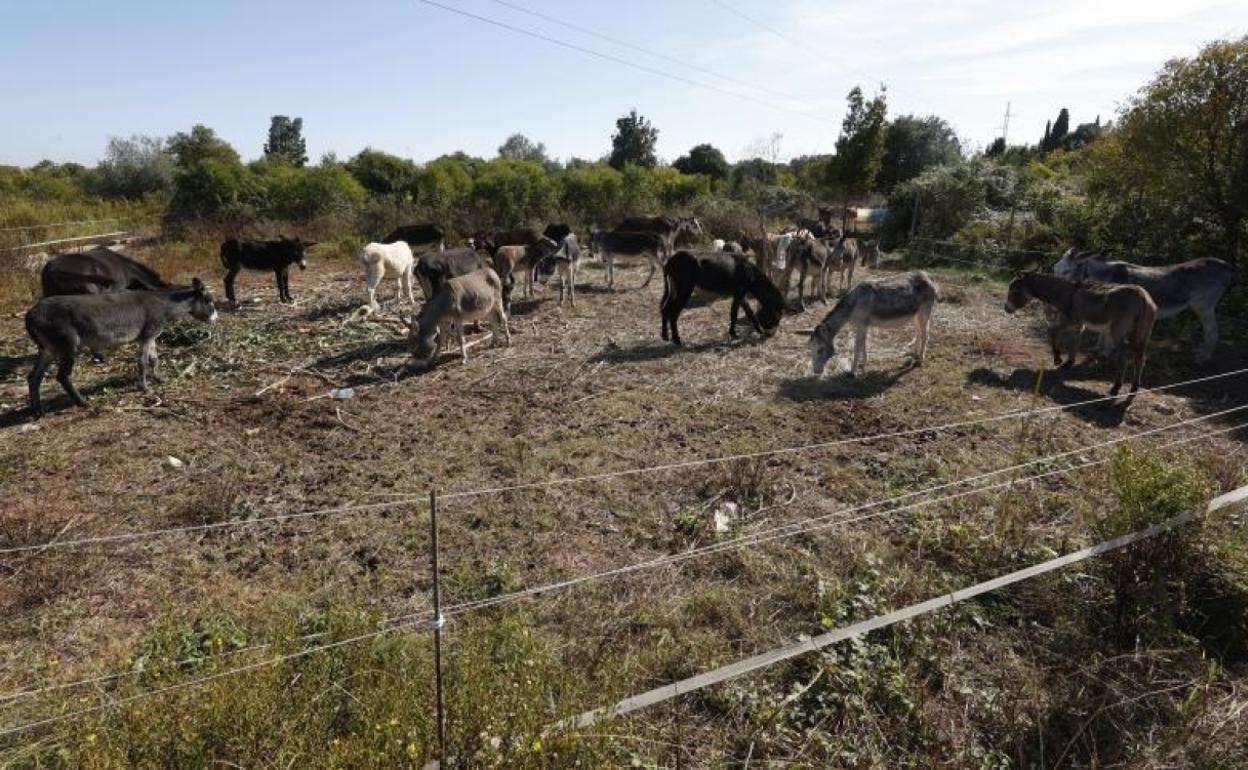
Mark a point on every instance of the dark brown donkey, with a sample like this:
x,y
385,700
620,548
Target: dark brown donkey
x,y
1123,313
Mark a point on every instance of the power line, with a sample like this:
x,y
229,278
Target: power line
x,y
625,62
647,51
795,41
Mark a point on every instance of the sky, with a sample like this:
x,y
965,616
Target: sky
x,y
418,80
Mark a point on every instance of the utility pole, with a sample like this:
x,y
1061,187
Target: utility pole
x,y
1005,127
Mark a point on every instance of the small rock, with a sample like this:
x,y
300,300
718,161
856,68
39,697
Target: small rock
x,y
173,462
251,431
342,394
30,427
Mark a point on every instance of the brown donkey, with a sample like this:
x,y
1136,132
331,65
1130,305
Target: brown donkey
x,y
1123,313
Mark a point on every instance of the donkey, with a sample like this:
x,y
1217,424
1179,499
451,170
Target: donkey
x,y
566,261
381,258
606,245
810,254
510,260
434,268
60,326
1124,313
669,229
277,256
464,298
1197,285
870,253
723,274
884,302
97,271
843,259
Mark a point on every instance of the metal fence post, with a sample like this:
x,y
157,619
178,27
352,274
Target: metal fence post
x,y
438,623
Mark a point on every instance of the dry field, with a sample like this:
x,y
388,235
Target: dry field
x,y
593,390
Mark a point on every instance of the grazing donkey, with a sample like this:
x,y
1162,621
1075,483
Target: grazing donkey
x,y
722,274
461,299
381,258
884,302
97,271
1197,285
60,326
566,261
606,246
1124,313
277,256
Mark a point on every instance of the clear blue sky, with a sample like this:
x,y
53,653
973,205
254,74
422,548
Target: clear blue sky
x,y
416,80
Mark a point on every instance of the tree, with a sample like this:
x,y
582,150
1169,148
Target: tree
x,y
134,167
383,174
201,143
913,144
633,142
706,160
286,144
1054,136
860,147
1048,132
1173,175
520,147
997,148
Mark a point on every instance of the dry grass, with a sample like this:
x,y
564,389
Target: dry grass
x,y
581,391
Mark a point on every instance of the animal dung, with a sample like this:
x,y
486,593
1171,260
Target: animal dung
x,y
173,463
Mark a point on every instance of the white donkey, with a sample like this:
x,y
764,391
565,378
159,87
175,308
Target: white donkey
x,y
380,258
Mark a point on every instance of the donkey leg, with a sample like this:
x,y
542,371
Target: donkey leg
x,y
654,265
1119,363
860,352
751,317
463,347
1209,328
230,275
372,279
33,380
65,375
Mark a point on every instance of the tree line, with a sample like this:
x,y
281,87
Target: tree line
x,y
1167,178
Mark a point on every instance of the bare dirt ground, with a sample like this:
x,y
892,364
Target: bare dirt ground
x,y
581,391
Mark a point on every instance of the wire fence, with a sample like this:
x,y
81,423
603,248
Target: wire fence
x,y
436,620
925,252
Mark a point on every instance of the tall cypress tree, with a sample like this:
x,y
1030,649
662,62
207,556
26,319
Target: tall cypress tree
x,y
1048,132
1061,127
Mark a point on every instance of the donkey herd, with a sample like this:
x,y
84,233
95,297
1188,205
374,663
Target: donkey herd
x,y
100,299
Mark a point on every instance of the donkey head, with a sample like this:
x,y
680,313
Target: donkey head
x,y
1018,296
294,251
203,308
822,348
